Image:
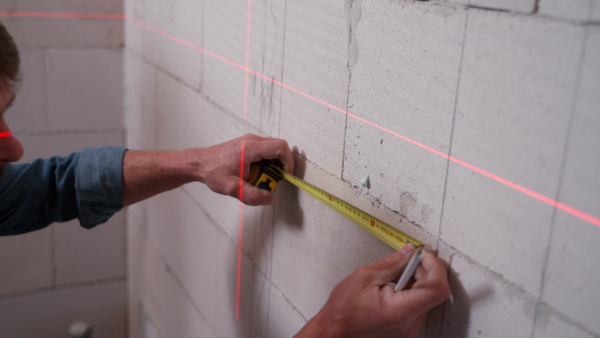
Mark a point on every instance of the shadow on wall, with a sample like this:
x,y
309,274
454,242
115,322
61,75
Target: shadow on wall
x,y
294,216
260,221
458,311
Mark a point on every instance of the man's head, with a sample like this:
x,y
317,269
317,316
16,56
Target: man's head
x,y
10,148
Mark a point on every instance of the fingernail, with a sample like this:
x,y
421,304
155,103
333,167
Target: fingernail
x,y
409,247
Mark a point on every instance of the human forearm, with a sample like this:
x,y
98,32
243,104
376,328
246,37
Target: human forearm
x,y
320,326
148,173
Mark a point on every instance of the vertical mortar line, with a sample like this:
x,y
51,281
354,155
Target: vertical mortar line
x,y
536,7
462,54
349,79
565,151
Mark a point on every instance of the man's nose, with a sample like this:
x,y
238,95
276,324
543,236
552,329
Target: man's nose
x,y
11,150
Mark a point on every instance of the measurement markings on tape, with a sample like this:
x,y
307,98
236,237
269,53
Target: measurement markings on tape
x,y
376,227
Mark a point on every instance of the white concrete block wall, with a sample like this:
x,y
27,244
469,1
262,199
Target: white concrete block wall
x,y
70,98
509,87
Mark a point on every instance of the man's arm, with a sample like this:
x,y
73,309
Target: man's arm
x,y
147,173
362,305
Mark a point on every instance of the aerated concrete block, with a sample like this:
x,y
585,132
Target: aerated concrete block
x,y
516,88
72,6
551,324
175,32
159,295
580,10
284,318
140,103
37,32
404,79
572,273
29,111
84,89
266,58
315,63
28,269
82,255
595,15
225,30
484,304
204,259
50,313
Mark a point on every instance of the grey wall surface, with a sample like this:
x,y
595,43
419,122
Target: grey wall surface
x,y
70,98
508,89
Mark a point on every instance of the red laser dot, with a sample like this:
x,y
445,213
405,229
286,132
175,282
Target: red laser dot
x,y
5,134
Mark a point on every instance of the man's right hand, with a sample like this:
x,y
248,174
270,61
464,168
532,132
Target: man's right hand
x,y
363,305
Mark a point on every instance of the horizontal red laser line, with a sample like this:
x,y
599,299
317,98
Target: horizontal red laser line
x,y
5,134
65,15
561,206
573,211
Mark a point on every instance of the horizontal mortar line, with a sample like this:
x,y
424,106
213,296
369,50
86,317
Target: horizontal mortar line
x,y
65,15
68,132
561,206
62,287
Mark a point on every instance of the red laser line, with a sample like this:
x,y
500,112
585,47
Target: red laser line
x,y
64,15
241,225
183,42
561,206
5,134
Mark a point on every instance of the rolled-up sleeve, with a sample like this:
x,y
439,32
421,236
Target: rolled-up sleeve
x,y
86,185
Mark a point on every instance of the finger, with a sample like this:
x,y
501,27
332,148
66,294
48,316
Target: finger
x,y
430,289
270,149
433,268
252,195
389,267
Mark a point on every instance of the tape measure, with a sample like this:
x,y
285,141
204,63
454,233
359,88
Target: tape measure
x,y
265,174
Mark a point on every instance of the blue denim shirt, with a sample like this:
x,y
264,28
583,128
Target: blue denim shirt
x,y
86,185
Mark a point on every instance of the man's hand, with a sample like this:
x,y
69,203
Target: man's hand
x,y
219,166
362,305
147,173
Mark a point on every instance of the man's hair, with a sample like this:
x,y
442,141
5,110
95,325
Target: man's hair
x,y
9,58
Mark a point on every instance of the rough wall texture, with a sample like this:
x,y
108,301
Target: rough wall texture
x,y
509,87
70,98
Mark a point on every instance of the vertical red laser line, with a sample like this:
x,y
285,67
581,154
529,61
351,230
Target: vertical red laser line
x,y
241,226
561,206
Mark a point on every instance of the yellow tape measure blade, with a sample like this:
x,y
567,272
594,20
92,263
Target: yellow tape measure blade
x,y
383,231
